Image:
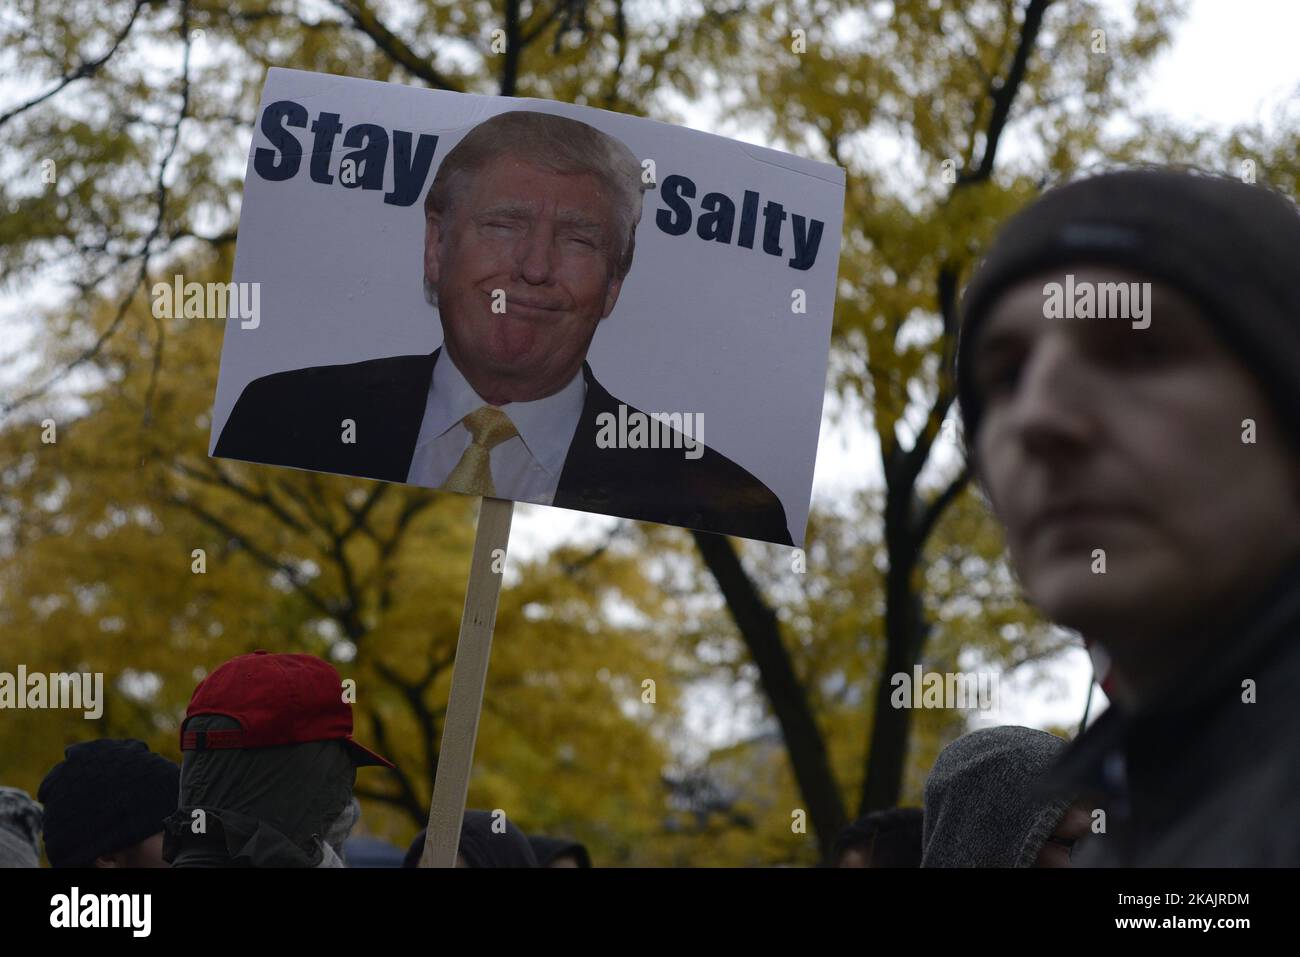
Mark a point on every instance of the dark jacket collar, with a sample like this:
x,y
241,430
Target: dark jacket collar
x,y
1172,730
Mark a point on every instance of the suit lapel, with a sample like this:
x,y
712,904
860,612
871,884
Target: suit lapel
x,y
584,479
408,401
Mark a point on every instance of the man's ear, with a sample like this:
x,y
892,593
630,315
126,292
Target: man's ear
x,y
432,247
611,296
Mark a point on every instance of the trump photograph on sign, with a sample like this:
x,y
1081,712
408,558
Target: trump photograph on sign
x,y
530,227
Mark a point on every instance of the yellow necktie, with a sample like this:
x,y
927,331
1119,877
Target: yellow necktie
x,y
488,427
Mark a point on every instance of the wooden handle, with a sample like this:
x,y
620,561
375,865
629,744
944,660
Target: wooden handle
x,y
468,677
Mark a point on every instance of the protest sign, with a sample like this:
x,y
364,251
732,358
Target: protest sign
x,y
531,300
527,301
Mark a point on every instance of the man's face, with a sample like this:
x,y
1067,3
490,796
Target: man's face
x,y
855,857
1097,435
148,853
1071,828
539,244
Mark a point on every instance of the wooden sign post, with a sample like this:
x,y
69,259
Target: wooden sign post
x,y
468,677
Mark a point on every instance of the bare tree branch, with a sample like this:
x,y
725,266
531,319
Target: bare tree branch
x,y
319,519
510,65
87,68
393,45
931,513
262,557
760,629
413,694
156,366
219,478
620,35
406,798
907,521
1004,93
143,253
527,36
359,515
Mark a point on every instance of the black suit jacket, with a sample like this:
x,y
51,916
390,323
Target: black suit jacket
x,y
295,419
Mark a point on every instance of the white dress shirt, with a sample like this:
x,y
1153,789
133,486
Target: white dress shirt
x,y
525,468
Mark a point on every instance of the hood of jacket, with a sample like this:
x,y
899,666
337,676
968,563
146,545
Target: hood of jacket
x,y
258,807
982,808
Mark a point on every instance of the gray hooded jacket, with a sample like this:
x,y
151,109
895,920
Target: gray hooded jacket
x,y
982,806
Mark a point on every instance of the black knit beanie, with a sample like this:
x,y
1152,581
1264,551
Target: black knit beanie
x,y
105,796
1233,248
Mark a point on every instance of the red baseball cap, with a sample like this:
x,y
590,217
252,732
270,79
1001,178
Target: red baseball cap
x,y
277,699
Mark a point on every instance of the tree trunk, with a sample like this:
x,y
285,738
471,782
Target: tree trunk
x,y
803,739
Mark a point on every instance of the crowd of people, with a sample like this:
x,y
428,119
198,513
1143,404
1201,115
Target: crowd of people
x,y
269,764
266,780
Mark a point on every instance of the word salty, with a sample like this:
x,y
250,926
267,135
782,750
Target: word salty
x,y
659,430
362,168
208,300
103,910
57,690
1104,300
950,690
717,221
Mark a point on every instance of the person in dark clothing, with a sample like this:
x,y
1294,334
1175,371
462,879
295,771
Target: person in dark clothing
x,y
558,852
983,807
105,803
269,766
1141,448
487,839
889,838
371,852
20,829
